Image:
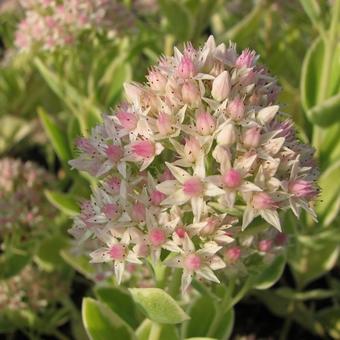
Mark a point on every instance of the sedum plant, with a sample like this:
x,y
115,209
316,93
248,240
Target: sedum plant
x,y
194,170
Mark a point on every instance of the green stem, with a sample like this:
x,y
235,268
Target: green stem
x,y
223,307
175,283
155,331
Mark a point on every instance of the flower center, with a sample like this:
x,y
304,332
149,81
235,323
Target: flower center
x,y
138,212
117,252
192,262
144,149
127,120
114,153
157,237
232,179
180,231
110,210
193,187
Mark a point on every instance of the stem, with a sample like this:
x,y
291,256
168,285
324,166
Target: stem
x,y
175,283
223,307
155,331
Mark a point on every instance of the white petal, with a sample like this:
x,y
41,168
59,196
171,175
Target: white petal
x,y
180,174
172,246
186,280
146,163
207,274
178,198
216,263
267,114
132,258
248,215
188,245
272,217
199,169
197,204
167,187
229,198
100,255
213,190
119,270
209,249
248,187
174,262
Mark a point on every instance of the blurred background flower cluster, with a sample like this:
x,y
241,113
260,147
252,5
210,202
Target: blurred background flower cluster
x,y
62,65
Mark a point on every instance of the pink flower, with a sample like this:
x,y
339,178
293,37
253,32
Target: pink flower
x,y
205,124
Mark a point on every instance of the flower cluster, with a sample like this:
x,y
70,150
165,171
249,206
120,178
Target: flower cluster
x,y
50,24
189,161
22,201
30,289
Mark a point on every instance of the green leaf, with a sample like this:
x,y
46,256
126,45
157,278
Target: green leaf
x,y
12,263
312,9
158,305
64,202
330,319
101,323
202,312
168,332
326,112
80,263
56,136
178,18
271,273
315,294
328,206
120,301
48,255
310,260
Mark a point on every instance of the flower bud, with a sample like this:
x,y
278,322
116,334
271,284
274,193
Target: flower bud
x,y
265,246
191,94
251,137
232,179
233,254
227,136
246,59
164,124
157,80
192,149
302,188
221,86
186,68
205,123
236,109
262,200
127,119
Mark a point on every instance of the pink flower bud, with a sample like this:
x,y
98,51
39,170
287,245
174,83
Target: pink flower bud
x,y
192,262
221,86
166,175
232,254
262,200
193,187
236,109
227,136
164,124
186,68
265,246
143,149
192,149
157,197
251,137
191,94
205,123
246,59
127,119
232,179
181,232
114,153
302,188
210,227
157,80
